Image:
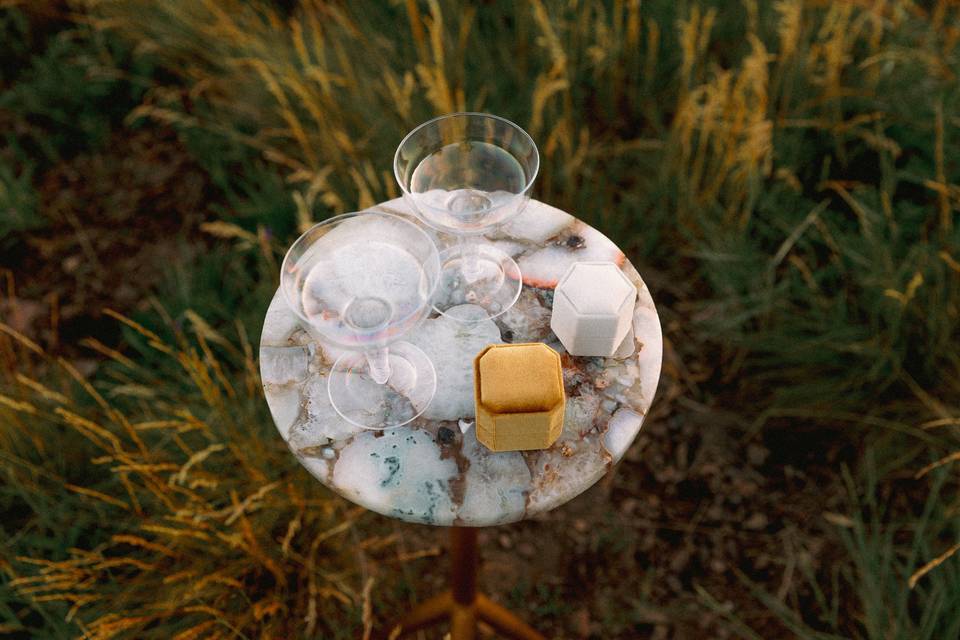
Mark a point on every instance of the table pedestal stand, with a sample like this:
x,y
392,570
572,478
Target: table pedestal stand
x,y
462,605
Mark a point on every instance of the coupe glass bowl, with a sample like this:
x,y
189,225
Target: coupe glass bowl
x,y
464,174
360,281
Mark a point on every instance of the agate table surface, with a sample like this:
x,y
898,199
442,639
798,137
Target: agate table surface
x,y
433,470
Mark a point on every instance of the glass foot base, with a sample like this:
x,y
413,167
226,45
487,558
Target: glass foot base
x,y
405,395
481,275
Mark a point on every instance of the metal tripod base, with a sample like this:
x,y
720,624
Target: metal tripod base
x,y
462,605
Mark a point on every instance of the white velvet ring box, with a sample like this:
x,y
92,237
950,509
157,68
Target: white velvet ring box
x,y
593,308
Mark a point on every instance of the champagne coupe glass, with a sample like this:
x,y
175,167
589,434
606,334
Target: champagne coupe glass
x,y
360,281
465,173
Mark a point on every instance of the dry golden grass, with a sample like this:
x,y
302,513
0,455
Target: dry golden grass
x,y
757,160
192,549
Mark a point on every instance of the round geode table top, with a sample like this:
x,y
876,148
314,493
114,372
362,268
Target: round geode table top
x,y
433,470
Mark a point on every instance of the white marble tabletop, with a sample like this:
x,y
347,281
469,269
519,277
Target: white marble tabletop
x,y
433,470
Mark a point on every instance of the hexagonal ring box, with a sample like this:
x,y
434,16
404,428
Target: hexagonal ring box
x,y
593,308
518,389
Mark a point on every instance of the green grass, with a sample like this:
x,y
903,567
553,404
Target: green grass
x,y
66,98
18,202
884,547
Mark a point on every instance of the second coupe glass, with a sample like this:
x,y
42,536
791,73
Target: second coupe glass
x,y
464,174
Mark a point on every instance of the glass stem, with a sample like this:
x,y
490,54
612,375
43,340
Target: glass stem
x,y
470,250
378,364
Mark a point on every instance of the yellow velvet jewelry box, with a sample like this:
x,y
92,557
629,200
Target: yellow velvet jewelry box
x,y
518,391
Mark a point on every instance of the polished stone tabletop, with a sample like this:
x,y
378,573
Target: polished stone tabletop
x,y
433,470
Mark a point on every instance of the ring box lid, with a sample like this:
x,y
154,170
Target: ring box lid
x,y
518,378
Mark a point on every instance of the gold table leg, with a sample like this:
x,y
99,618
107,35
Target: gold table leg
x,y
461,603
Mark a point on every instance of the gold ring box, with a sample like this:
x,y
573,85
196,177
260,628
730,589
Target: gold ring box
x,y
518,390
